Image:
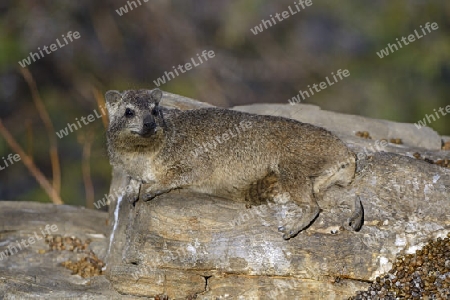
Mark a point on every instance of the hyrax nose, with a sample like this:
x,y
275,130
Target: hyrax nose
x,y
149,122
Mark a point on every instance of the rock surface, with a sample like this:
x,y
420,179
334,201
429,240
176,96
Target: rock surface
x,y
187,245
34,272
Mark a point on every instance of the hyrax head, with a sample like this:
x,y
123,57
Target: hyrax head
x,y
134,115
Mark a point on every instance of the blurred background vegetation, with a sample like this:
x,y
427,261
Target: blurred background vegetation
x,y
133,50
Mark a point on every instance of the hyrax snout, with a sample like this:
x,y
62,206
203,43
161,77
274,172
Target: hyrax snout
x,y
236,155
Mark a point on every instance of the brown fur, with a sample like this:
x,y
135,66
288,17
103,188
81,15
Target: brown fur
x,y
268,159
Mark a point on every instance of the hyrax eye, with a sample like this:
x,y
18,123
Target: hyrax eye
x,y
155,112
129,113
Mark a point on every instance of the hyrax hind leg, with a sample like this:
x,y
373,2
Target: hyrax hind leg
x,y
340,173
298,205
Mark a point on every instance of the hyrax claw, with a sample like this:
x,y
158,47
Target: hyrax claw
x,y
355,222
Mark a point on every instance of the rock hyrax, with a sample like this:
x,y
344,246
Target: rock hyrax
x,y
236,155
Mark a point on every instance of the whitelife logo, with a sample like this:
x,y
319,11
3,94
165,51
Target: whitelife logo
x,y
391,48
266,24
48,50
319,87
187,66
423,122
226,136
12,249
86,120
10,158
124,9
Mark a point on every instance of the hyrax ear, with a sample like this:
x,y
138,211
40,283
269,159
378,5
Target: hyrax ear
x,y
112,101
156,95
113,97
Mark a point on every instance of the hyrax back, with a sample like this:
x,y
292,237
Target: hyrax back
x,y
240,156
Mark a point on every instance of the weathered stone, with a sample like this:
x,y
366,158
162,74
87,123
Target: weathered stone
x,y
36,273
183,244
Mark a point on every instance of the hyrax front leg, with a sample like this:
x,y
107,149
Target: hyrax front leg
x,y
299,208
132,190
164,181
175,177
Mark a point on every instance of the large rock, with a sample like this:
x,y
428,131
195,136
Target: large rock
x,y
186,245
183,244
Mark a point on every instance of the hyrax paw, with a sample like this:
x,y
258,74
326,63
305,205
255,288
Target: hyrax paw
x,y
287,233
150,194
132,191
133,198
355,222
